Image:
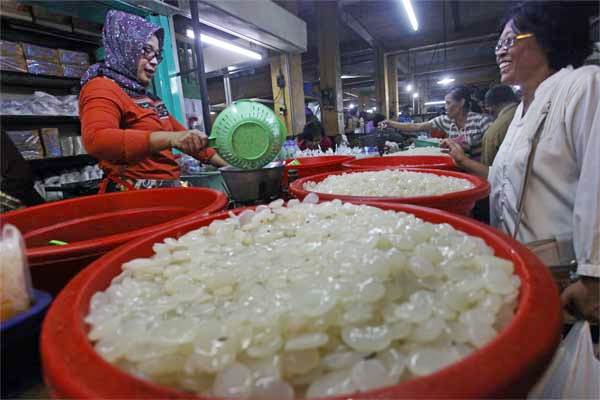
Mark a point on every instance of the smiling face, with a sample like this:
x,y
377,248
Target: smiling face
x,y
522,60
146,68
453,108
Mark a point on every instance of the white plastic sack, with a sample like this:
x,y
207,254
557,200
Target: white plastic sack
x,y
15,281
574,372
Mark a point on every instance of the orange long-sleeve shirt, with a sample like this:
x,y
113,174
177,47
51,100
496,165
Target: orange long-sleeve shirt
x,y
116,129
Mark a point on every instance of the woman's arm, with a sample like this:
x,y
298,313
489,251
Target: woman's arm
x,y
582,124
194,143
102,108
408,127
462,161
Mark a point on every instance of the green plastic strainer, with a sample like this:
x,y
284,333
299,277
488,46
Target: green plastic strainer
x,y
247,134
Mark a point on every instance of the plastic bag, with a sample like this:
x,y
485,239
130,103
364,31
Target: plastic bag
x,y
574,372
15,281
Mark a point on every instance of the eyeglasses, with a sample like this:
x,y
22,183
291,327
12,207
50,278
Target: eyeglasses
x,y
149,53
510,41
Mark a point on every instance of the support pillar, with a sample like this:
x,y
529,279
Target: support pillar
x,y
227,87
332,112
286,71
392,80
381,83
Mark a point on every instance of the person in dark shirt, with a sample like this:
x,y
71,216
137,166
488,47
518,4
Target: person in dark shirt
x,y
313,136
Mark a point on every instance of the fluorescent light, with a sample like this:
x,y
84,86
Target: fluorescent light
x,y
370,111
351,106
224,45
435,103
374,108
409,88
411,14
351,76
231,68
351,94
415,95
445,81
212,113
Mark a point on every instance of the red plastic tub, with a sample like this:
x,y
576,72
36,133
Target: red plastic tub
x,y
436,162
315,165
506,367
458,202
94,225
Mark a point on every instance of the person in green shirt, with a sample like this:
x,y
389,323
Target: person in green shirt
x,y
501,102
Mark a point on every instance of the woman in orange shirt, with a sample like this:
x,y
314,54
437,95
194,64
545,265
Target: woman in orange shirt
x,y
123,125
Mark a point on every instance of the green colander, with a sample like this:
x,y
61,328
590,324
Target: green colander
x,y
248,135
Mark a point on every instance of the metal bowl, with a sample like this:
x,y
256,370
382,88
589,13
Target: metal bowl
x,y
207,179
250,185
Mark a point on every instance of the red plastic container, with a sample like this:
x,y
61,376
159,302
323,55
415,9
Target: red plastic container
x,y
436,162
315,165
94,225
458,202
506,367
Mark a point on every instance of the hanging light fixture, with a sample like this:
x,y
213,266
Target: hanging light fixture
x,y
410,12
445,81
223,44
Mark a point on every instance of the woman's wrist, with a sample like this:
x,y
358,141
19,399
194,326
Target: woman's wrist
x,y
160,141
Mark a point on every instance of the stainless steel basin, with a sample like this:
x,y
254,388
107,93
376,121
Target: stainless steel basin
x,y
250,185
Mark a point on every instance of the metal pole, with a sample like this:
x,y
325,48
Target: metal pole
x,y
200,67
227,86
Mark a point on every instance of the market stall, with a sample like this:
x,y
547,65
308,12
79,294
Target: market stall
x,y
193,246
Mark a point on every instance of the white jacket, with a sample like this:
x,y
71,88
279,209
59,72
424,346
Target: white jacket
x,y
563,191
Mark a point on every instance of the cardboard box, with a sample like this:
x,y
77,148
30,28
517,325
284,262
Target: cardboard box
x,y
87,27
14,9
39,53
43,16
73,57
11,63
74,71
12,49
44,68
50,137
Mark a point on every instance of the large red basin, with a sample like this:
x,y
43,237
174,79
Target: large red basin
x,y
506,367
458,202
315,165
94,225
436,162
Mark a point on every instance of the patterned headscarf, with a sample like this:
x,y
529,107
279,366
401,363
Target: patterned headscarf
x,y
124,35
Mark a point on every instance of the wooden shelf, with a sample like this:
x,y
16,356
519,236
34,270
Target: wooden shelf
x,y
57,163
36,121
28,30
12,78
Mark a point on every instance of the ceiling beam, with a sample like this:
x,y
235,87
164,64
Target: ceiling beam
x,y
352,23
455,69
448,45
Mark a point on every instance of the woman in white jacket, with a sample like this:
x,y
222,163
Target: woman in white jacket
x,y
546,176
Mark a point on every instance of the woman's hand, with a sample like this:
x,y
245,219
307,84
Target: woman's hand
x,y
455,151
582,299
190,142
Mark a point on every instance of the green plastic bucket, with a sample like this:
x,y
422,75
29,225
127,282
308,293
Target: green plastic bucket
x,y
248,134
